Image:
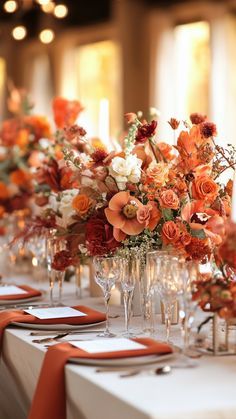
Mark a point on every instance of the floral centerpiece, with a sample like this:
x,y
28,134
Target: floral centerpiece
x,y
20,138
149,195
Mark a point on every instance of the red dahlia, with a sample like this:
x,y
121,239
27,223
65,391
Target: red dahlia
x,y
145,131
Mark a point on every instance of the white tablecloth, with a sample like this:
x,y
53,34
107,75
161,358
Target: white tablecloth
x,y
204,392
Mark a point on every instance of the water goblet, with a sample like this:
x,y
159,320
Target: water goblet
x,y
107,272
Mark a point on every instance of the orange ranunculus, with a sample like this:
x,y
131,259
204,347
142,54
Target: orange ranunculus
x,y
82,204
203,170
4,193
20,177
122,214
65,111
164,152
157,173
170,232
169,199
22,138
181,186
149,215
38,126
204,187
2,211
67,179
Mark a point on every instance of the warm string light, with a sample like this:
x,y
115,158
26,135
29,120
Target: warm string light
x,y
10,6
19,32
46,36
60,11
48,8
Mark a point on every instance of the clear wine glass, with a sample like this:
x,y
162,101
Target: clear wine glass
x,y
53,246
189,271
169,284
130,267
107,272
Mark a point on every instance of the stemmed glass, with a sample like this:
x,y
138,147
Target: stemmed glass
x,y
189,271
130,267
107,272
53,246
169,285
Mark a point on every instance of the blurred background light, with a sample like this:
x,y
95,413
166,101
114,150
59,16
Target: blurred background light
x,y
46,36
60,11
10,6
19,33
48,7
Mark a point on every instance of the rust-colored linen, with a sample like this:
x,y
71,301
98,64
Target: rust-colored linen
x,y
49,401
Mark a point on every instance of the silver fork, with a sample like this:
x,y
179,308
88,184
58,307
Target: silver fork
x,y
62,335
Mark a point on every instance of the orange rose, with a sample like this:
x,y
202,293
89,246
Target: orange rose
x,y
181,186
170,232
22,138
169,199
164,152
157,173
82,204
20,177
205,188
4,194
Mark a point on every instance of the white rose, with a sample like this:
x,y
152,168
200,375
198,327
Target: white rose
x,y
65,208
125,170
119,167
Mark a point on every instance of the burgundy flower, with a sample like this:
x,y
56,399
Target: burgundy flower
x,y
198,249
197,118
98,156
62,260
208,129
145,131
99,235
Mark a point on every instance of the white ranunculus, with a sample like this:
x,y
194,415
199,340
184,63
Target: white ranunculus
x,y
125,170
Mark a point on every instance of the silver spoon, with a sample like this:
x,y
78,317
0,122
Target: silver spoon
x,y
164,369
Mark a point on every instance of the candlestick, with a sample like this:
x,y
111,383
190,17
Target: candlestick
x,y
104,123
233,208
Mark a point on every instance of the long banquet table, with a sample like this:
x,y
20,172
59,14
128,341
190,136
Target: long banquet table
x,y
204,392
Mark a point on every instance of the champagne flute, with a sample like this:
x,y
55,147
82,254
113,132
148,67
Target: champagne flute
x,y
169,285
107,272
129,272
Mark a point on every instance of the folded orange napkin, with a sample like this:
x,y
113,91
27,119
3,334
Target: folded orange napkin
x,y
49,400
31,292
93,316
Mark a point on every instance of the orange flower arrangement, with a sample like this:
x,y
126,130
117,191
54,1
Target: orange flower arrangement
x,y
82,205
65,111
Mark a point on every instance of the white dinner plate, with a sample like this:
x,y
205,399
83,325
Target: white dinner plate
x,y
120,362
56,326
19,300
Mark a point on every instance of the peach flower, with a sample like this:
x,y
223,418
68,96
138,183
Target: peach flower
x,y
130,117
170,232
157,173
169,199
204,187
4,193
164,151
149,215
82,204
20,177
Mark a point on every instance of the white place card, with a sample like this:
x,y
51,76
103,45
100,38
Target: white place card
x,y
55,312
107,345
11,290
